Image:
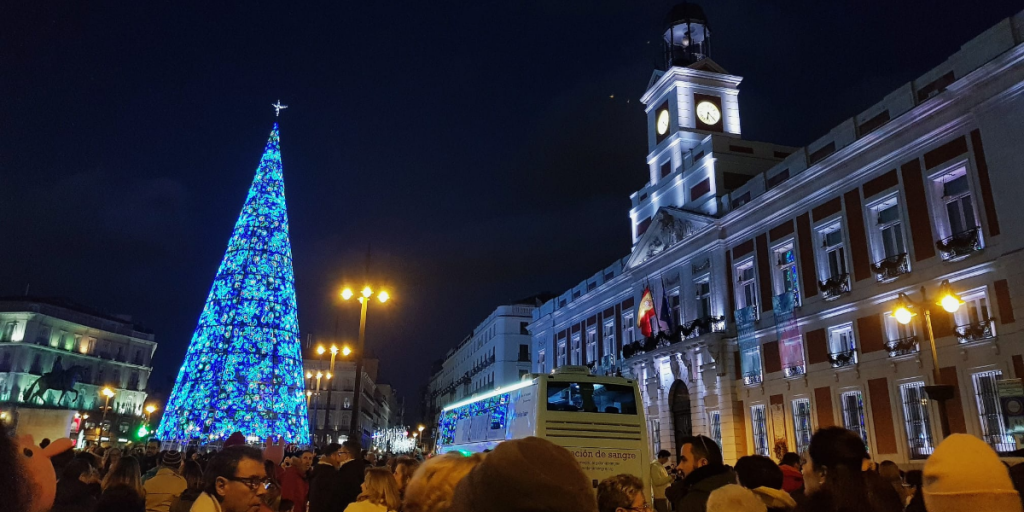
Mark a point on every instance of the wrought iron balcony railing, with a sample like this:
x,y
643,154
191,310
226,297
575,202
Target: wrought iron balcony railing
x,y
835,286
902,346
794,370
977,331
752,378
703,326
960,245
888,269
842,358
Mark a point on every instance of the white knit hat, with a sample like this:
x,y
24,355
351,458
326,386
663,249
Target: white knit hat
x,y
965,474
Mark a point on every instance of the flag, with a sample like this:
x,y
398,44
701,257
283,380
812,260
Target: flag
x,y
645,314
665,318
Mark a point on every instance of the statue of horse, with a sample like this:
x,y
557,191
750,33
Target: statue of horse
x,y
58,380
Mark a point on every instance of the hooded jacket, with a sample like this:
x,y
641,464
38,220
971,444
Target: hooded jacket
x,y
792,478
776,500
699,485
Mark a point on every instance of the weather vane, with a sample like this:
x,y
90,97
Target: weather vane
x,y
278,107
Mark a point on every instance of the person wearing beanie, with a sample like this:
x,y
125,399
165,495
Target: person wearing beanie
x,y
167,485
734,498
964,473
524,474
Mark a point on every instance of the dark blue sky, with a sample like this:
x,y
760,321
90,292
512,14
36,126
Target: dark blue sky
x,y
474,145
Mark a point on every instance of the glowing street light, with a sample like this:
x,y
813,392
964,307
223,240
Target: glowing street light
x,y
150,408
320,350
345,351
109,393
904,314
367,292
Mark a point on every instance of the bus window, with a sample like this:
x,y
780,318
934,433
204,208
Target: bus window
x,y
591,397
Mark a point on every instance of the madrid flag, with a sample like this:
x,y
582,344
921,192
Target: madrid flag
x,y
645,313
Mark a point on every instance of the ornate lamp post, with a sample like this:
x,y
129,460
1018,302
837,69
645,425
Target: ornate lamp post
x,y
904,314
109,393
364,300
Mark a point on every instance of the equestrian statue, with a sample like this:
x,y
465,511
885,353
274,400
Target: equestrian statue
x,y
57,379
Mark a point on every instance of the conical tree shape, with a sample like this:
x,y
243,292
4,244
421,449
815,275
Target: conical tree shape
x,y
243,369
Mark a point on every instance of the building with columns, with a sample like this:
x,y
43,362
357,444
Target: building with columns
x,y
331,401
38,335
774,270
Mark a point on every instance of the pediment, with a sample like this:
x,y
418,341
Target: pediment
x,y
655,77
706,64
669,227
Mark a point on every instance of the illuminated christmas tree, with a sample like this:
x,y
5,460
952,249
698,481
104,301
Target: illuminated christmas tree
x,y
243,369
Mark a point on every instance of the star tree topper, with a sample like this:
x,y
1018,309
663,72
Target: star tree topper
x,y
278,107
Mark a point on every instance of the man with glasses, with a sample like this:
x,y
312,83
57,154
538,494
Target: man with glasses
x,y
621,493
702,469
234,481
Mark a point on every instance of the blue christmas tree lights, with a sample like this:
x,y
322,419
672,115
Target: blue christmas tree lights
x,y
243,369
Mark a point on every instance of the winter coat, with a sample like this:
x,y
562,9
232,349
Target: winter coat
x,y
324,490
776,500
365,506
660,480
792,478
74,495
205,503
184,502
163,489
350,481
698,486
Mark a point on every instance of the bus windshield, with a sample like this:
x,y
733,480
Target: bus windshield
x,y
591,397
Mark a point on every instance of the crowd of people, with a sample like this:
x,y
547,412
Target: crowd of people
x,y
836,474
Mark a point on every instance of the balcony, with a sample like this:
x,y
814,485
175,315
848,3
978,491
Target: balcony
x,y
977,331
752,378
794,371
842,358
702,326
888,269
960,245
902,346
835,287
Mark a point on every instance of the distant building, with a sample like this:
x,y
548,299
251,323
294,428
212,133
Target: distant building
x,y
37,334
495,354
331,408
775,271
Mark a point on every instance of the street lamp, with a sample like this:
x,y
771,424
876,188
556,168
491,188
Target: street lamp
x,y
109,393
420,428
903,312
364,300
345,351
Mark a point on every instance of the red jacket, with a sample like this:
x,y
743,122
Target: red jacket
x,y
295,487
792,478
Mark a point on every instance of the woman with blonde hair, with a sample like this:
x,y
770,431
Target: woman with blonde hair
x,y
380,493
125,472
433,484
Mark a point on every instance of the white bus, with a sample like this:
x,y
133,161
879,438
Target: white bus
x,y
599,419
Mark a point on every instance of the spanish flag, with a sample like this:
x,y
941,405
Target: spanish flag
x,y
645,313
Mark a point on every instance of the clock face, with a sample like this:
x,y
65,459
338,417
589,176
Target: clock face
x,y
708,113
663,122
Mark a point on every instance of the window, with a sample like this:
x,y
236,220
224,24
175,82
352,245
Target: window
x,y
673,306
889,224
716,427
786,279
541,362
591,344
746,289
902,339
577,348
609,342
973,318
524,353
591,397
842,349
759,423
915,417
523,328
654,427
853,414
956,196
990,414
750,362
627,328
834,251
8,333
561,353
802,427
703,295
43,338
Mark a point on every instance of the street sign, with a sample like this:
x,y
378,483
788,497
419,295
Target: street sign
x,y
1011,400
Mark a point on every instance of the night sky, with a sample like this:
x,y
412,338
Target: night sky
x,y
482,151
